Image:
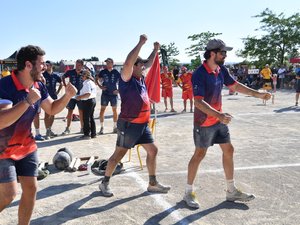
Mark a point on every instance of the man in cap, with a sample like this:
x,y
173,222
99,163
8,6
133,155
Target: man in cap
x,y
51,79
134,117
107,80
18,158
210,123
185,83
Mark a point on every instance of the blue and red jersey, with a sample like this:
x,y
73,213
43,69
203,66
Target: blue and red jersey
x,y
16,141
110,80
51,81
75,79
207,85
135,103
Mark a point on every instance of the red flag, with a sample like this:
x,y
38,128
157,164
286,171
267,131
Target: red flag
x,y
153,81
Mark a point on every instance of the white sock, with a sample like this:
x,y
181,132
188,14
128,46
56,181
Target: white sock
x,y
189,188
37,131
115,124
230,185
102,124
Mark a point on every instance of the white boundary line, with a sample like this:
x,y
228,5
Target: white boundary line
x,y
159,199
235,169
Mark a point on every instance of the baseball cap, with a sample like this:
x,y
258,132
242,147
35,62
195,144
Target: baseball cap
x,y
140,60
49,62
109,59
217,44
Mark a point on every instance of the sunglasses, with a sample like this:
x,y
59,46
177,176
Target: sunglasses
x,y
223,53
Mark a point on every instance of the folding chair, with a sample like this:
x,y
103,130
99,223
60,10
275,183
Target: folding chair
x,y
151,125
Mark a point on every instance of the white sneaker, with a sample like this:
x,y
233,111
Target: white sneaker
x,y
191,200
238,195
105,189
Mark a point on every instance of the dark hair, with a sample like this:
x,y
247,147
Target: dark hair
x,y
28,53
79,61
207,54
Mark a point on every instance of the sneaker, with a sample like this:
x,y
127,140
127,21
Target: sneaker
x,y
39,138
173,110
115,130
85,137
238,195
52,134
105,189
191,200
158,188
101,130
296,104
67,131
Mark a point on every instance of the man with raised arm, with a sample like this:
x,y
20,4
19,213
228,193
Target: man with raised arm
x,y
134,117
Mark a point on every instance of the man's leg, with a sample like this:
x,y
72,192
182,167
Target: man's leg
x,y
166,103
154,185
171,103
29,189
232,193
110,168
184,105
8,192
194,163
297,98
115,118
190,196
101,116
191,104
69,117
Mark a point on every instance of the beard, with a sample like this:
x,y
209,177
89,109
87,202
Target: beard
x,y
220,62
35,75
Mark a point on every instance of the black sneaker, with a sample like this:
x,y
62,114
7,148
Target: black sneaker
x,y
101,131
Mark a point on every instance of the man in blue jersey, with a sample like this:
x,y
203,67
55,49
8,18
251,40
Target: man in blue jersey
x,y
51,79
75,78
107,80
134,117
210,123
18,150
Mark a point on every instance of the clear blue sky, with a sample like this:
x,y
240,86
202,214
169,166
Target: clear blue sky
x,y
75,29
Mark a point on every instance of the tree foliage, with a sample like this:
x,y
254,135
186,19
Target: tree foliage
x,y
93,58
197,48
280,41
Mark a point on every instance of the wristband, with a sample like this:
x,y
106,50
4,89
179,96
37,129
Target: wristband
x,y
27,100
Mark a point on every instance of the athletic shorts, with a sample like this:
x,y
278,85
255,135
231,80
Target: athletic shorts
x,y
187,95
10,169
73,102
205,137
167,93
112,99
131,134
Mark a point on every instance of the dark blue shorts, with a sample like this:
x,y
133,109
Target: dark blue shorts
x,y
112,99
72,103
10,169
208,136
131,134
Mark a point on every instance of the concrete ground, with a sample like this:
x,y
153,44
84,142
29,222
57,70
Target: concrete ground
x,y
267,163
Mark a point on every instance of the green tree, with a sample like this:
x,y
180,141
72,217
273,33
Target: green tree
x,y
197,48
93,58
280,39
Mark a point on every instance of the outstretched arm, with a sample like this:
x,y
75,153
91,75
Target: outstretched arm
x,y
131,58
152,55
249,91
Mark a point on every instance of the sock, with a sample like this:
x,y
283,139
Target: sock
x,y
230,185
189,188
106,179
102,124
152,180
48,129
115,124
37,131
